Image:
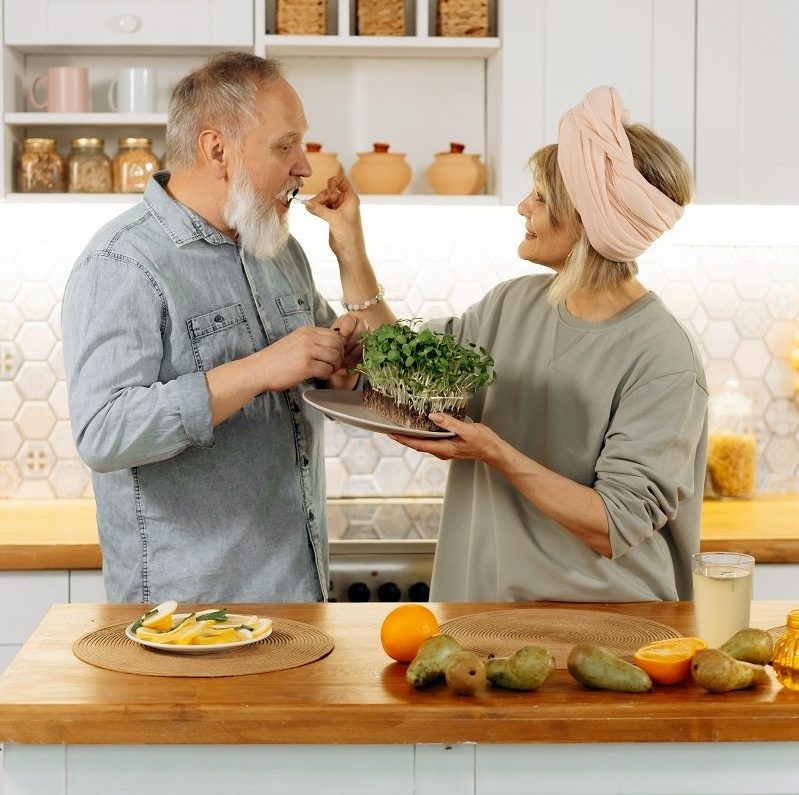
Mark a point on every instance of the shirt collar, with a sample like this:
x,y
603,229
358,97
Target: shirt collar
x,y
180,222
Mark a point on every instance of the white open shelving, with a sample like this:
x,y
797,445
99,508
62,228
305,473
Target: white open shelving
x,y
418,92
32,119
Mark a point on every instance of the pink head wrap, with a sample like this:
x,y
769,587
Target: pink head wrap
x,y
621,212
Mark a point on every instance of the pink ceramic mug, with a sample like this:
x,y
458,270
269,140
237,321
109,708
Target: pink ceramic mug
x,y
67,90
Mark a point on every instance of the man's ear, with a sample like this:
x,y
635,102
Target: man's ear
x,y
213,153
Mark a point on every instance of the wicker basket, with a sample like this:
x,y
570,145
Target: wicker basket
x,y
381,17
462,17
302,17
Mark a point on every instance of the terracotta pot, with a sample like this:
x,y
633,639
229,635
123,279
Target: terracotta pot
x,y
456,172
323,164
381,171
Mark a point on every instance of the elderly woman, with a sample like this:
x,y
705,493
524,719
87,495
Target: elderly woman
x,y
581,477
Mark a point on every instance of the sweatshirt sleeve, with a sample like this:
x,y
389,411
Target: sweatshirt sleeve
x,y
122,416
646,466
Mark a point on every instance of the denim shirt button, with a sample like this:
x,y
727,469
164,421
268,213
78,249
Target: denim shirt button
x,y
305,461
311,515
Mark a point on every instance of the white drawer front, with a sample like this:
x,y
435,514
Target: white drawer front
x,y
31,593
130,22
86,585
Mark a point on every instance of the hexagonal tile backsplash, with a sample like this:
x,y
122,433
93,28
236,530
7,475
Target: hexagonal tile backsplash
x,y
733,283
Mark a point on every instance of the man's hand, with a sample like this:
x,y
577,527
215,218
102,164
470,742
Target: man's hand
x,y
350,328
308,352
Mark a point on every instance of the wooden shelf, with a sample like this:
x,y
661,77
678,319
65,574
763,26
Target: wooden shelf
x,y
379,46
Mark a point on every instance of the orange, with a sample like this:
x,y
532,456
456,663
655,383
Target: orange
x,y
405,629
668,661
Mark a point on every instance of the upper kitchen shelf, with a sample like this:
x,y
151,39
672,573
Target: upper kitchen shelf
x,y
379,46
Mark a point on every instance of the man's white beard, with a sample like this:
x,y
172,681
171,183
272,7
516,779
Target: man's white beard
x,y
262,232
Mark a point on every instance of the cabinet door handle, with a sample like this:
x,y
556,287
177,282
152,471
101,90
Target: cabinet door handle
x,y
124,23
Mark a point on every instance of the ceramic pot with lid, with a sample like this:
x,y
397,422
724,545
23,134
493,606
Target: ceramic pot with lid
x,y
456,172
381,171
323,164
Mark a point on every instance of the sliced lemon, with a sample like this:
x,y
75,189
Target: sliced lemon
x,y
261,627
167,637
161,617
213,636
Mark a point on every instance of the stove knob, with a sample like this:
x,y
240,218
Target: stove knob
x,y
389,592
419,592
359,592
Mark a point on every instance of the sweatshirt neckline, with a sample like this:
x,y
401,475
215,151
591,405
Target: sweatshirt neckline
x,y
620,317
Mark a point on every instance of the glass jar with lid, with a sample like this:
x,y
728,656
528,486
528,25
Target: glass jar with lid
x,y
134,164
732,444
40,168
785,657
88,168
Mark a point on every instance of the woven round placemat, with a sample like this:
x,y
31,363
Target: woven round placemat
x,y
290,645
503,632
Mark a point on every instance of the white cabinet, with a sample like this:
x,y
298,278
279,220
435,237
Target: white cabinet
x,y
79,23
747,101
27,595
554,51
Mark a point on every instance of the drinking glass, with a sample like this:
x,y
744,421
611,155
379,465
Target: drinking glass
x,y
722,594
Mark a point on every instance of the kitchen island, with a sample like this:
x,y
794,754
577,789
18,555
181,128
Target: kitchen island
x,y
349,722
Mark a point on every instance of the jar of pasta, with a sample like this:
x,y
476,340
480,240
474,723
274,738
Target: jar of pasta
x,y
88,168
40,168
134,164
732,444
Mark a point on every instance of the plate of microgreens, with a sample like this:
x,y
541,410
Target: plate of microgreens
x,y
209,630
409,374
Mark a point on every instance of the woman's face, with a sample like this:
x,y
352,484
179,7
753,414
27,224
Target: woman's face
x,y
542,242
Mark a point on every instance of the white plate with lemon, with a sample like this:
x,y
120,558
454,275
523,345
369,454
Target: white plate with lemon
x,y
204,631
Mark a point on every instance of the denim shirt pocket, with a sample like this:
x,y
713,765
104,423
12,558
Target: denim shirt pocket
x,y
295,309
220,336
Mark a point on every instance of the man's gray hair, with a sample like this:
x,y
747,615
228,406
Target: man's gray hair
x,y
221,96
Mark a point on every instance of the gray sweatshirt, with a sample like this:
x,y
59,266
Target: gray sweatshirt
x,y
620,406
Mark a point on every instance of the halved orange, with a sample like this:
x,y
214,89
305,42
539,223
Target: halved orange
x,y
668,661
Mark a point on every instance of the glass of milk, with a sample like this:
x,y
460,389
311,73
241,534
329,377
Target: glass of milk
x,y
722,594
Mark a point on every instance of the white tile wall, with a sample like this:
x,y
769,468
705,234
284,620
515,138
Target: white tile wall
x,y
730,274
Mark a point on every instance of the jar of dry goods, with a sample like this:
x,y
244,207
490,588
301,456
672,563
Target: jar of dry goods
x,y
134,164
40,168
88,168
732,443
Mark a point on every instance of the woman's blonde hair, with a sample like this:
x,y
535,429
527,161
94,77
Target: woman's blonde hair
x,y
658,161
220,95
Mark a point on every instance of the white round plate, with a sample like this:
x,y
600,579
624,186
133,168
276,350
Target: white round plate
x,y
189,649
345,405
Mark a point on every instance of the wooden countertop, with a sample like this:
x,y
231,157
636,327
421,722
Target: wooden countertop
x,y
62,534
358,695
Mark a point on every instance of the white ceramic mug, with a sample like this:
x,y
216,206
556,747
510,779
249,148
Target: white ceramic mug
x,y
67,90
134,89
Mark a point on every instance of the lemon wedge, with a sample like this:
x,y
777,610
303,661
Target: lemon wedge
x,y
179,631
212,636
161,617
261,627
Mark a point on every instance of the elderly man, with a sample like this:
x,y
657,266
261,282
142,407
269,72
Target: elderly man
x,y
191,328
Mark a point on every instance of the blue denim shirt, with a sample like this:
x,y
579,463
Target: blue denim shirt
x,y
186,511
